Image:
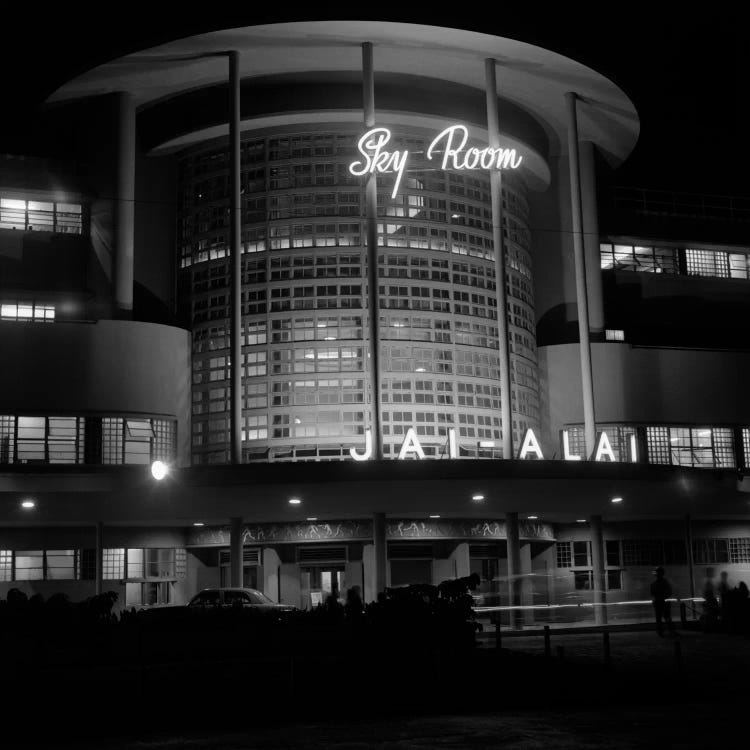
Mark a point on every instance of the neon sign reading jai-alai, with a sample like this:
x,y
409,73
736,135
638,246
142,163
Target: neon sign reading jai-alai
x,y
530,448
451,143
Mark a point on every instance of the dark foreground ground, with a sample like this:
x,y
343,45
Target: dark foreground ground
x,y
645,698
691,726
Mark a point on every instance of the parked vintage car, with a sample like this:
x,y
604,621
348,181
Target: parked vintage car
x,y
238,597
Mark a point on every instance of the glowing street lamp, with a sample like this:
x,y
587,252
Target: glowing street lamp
x,y
159,470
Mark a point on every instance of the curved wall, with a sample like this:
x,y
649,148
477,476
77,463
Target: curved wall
x,y
646,385
304,296
109,367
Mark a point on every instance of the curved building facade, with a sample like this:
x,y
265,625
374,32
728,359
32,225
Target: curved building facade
x,y
304,284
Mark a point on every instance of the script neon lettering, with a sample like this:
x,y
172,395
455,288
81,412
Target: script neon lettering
x,y
376,159
451,143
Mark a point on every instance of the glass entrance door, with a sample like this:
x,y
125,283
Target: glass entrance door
x,y
318,582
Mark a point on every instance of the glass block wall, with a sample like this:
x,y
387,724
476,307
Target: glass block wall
x,y
304,301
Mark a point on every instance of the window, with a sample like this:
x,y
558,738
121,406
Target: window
x,y
138,436
710,551
583,580
6,565
29,565
155,563
564,559
581,554
113,564
27,311
614,580
739,550
40,216
613,553
61,564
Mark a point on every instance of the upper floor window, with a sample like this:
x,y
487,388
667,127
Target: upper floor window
x,y
40,216
718,264
27,311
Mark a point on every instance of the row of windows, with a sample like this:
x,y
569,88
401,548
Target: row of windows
x,y
80,564
288,236
90,440
40,216
652,552
701,447
37,312
671,260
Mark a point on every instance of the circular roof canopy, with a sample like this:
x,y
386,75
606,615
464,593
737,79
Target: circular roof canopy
x,y
531,77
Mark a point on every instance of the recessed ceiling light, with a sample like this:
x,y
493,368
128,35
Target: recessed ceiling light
x,y
616,499
477,497
533,518
28,504
312,518
434,515
580,520
295,501
198,523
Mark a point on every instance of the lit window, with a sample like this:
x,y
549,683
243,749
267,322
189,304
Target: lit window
x,y
615,334
30,565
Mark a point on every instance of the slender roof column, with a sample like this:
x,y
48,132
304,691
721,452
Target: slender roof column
x,y
599,570
235,552
587,379
513,541
591,237
122,269
371,214
496,197
235,254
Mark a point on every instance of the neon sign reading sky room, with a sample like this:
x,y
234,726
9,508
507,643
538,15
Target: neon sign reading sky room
x,y
451,143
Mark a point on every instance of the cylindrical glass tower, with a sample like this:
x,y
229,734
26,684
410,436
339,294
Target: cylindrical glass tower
x,y
304,299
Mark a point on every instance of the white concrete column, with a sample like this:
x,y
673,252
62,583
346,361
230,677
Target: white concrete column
x,y
381,551
587,380
99,586
235,552
496,198
591,237
526,593
271,578
461,560
235,265
371,216
598,563
124,219
514,566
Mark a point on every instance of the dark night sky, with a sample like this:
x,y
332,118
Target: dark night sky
x,y
686,71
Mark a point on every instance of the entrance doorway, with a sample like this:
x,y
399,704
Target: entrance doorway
x,y
317,582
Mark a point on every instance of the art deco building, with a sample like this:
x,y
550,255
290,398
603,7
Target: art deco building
x,y
193,285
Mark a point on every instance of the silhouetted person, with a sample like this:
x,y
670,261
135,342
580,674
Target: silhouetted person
x,y
354,608
743,607
661,591
710,602
724,592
